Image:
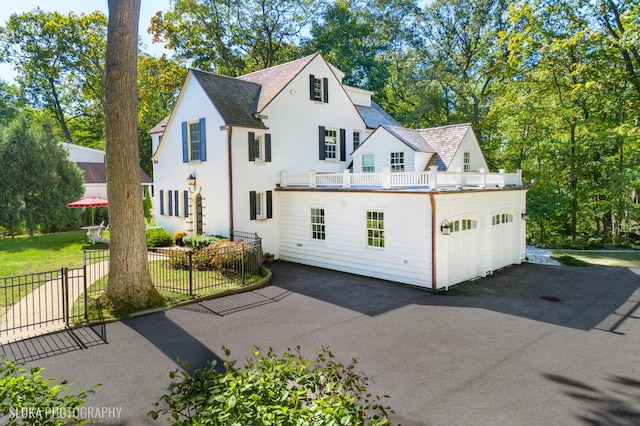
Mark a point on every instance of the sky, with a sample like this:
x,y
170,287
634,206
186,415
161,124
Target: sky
x,y
148,8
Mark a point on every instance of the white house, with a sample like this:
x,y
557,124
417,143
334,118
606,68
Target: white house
x,y
91,162
327,178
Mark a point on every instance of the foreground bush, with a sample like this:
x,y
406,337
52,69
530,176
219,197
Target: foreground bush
x,y
198,242
223,256
29,398
159,237
290,390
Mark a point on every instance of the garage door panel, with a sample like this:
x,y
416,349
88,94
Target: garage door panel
x,y
463,250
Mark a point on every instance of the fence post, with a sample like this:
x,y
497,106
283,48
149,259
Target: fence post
x,y
65,296
190,273
84,284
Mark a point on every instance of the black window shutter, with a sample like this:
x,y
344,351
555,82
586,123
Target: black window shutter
x,y
203,141
186,204
321,142
252,146
252,205
343,145
312,80
267,147
325,90
176,201
170,203
269,204
162,202
185,143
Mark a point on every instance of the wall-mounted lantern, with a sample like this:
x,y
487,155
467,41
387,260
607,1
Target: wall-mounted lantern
x,y
525,215
191,181
445,228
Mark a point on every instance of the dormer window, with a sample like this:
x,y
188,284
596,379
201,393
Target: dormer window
x,y
318,89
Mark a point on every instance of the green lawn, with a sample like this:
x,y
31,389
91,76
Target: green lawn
x,y
25,255
624,259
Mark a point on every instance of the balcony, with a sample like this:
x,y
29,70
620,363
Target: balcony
x,y
432,179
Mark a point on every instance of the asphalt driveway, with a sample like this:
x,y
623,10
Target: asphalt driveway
x,y
532,344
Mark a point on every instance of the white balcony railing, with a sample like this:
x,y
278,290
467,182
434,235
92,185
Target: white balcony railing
x,y
433,179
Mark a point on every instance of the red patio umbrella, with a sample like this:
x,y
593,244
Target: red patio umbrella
x,y
91,202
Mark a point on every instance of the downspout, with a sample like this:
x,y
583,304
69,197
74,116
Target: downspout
x,y
433,241
230,169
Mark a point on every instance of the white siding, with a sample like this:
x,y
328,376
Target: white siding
x,y
470,144
406,257
381,144
170,173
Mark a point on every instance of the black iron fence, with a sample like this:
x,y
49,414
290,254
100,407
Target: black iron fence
x,y
41,302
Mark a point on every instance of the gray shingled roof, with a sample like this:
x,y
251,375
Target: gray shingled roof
x,y
411,137
273,80
234,99
159,128
97,173
375,116
446,141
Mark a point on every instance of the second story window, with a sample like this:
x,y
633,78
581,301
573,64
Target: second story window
x,y
467,161
356,139
368,164
259,147
330,144
194,141
397,161
195,146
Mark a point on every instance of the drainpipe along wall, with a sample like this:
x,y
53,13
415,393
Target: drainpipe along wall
x,y
433,241
230,168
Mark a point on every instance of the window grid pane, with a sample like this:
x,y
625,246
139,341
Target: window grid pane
x,y
194,141
397,161
317,224
368,165
257,148
375,229
330,144
317,89
467,161
356,139
259,209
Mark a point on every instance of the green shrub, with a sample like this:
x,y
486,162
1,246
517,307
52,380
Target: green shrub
x,y
29,398
147,205
159,237
270,390
198,242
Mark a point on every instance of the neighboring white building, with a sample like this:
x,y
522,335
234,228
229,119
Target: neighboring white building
x,y
327,178
91,162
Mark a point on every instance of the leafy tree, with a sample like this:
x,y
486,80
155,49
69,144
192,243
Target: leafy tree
x,y
129,287
233,37
159,81
269,390
9,103
36,180
59,59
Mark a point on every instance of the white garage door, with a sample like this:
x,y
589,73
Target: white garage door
x,y
463,250
504,240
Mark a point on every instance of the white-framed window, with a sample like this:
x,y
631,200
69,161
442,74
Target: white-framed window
x,y
330,144
368,163
260,205
501,218
356,139
466,159
317,224
258,148
317,89
397,161
195,141
375,229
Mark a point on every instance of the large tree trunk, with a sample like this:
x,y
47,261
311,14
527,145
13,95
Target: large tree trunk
x,y
129,287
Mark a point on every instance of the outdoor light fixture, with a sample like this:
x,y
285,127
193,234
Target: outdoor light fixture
x,y
191,181
445,228
525,215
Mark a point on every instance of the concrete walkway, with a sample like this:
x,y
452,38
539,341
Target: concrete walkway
x,y
530,345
